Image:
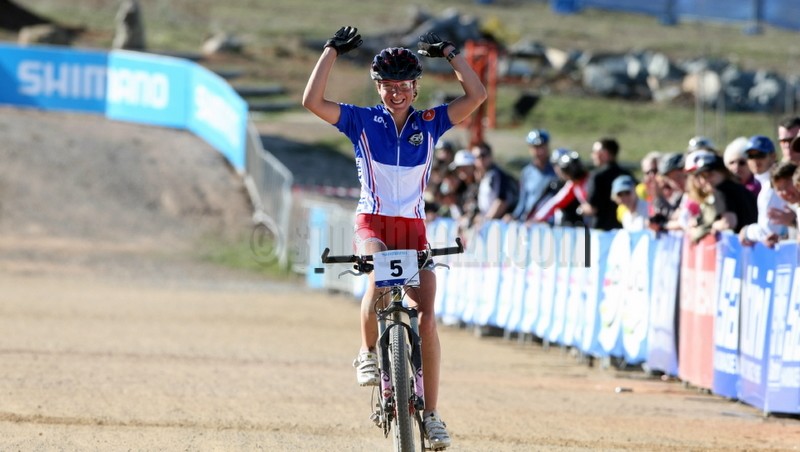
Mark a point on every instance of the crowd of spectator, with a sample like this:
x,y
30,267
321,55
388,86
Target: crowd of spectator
x,y
751,187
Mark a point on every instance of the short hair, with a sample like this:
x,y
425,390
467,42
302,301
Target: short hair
x,y
796,177
790,122
609,144
484,147
783,171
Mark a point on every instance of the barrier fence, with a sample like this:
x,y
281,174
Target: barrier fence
x,y
156,90
718,315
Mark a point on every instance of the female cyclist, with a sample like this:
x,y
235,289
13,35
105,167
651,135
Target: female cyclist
x,y
394,151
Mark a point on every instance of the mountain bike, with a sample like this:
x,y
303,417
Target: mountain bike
x,y
402,399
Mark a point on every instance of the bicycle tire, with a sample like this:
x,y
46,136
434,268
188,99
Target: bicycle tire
x,y
403,421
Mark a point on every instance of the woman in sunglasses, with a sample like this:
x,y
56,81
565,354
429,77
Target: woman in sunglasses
x,y
394,147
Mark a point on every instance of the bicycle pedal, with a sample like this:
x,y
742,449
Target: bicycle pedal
x,y
376,418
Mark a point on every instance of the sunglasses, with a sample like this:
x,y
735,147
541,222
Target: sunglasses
x,y
740,162
483,156
405,85
624,193
651,172
757,156
787,139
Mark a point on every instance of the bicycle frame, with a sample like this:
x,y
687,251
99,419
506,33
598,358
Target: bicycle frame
x,y
397,405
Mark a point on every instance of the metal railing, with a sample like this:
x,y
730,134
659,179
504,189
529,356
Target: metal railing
x,y
269,185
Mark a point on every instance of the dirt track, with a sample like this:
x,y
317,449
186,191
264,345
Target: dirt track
x,y
232,363
114,338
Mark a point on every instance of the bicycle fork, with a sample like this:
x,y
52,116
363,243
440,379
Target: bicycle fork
x,y
394,312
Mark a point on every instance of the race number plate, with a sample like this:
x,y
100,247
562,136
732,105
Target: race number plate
x,y
396,268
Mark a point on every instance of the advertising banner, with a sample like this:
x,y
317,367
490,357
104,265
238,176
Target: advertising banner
x,y
636,300
783,374
565,243
577,281
662,348
520,256
51,78
756,306
600,244
533,279
218,115
613,293
696,330
505,297
493,266
546,257
726,316
148,89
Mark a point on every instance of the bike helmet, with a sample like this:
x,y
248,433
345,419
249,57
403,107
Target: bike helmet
x,y
556,154
395,63
571,164
538,137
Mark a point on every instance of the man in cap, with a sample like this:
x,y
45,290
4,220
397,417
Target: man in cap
x,y
671,181
465,191
623,192
773,215
536,176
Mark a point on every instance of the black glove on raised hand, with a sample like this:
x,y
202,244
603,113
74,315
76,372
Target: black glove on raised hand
x,y
432,46
345,40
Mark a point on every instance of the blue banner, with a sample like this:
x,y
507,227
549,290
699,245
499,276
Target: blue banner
x,y
533,277
494,261
756,303
520,257
547,257
783,382
726,320
662,353
636,300
218,115
577,282
565,243
53,79
148,89
612,293
600,244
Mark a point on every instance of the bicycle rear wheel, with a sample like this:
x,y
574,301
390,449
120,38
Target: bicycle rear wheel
x,y
403,423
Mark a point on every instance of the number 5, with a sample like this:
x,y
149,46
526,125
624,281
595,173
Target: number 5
x,y
397,269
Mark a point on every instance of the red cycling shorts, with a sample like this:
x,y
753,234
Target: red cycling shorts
x,y
397,233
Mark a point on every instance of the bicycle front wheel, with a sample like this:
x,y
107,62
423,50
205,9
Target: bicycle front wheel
x,y
403,420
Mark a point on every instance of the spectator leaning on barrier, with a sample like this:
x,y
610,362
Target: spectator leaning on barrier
x,y
735,157
788,129
773,217
783,184
536,176
600,209
637,210
497,190
671,186
571,194
725,204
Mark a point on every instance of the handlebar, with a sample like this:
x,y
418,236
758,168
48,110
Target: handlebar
x,y
364,259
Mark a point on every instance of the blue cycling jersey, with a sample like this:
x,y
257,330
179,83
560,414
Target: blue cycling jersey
x,y
393,168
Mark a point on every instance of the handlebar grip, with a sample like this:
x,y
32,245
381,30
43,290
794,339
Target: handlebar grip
x,y
328,259
458,249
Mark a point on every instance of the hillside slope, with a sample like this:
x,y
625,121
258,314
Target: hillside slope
x,y
80,188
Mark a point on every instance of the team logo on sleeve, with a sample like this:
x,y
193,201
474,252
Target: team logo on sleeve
x,y
428,115
416,139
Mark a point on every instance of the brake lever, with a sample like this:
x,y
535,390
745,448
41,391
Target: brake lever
x,y
354,273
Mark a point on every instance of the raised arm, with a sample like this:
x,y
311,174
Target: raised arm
x,y
346,39
460,108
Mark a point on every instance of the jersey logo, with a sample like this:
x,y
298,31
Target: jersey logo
x,y
428,115
379,120
416,139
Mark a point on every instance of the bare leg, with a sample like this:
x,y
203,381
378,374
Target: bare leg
x,y
369,325
424,297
